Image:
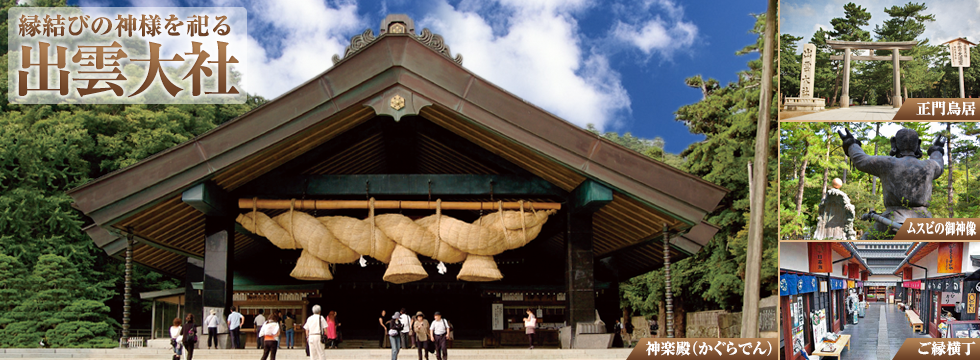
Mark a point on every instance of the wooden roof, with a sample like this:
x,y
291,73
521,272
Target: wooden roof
x,y
145,198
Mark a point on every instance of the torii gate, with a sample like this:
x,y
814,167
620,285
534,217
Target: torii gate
x,y
848,46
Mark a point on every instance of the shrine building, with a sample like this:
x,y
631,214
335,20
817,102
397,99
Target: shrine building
x,y
329,193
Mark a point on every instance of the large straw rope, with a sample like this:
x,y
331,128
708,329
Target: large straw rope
x,y
338,239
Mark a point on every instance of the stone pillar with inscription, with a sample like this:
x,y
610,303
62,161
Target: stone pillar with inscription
x,y
806,101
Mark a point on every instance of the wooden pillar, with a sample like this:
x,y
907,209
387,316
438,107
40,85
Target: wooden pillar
x,y
219,232
962,92
127,291
192,301
219,249
845,97
758,182
896,74
669,295
584,201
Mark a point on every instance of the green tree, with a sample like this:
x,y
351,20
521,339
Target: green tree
x,y
712,278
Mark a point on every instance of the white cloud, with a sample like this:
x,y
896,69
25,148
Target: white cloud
x,y
311,32
658,34
538,56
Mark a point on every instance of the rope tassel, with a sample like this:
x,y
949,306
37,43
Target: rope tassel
x,y
341,240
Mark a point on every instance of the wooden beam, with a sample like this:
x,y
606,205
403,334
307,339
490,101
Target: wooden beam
x,y
881,45
870,58
299,204
400,184
154,244
589,196
209,199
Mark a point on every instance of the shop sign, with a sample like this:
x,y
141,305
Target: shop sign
x,y
820,257
950,257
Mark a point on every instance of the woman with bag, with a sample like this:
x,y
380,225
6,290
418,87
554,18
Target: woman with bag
x,y
420,330
394,334
530,323
190,335
270,333
176,338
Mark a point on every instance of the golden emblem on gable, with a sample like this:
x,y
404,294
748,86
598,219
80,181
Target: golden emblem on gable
x,y
397,28
397,102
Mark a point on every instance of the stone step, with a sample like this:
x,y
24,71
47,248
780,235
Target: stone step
x,y
297,354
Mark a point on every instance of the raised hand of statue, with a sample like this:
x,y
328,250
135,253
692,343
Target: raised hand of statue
x,y
848,139
938,145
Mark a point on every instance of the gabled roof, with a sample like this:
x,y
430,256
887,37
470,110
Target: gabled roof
x,y
358,88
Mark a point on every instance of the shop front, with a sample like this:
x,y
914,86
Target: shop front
x,y
804,322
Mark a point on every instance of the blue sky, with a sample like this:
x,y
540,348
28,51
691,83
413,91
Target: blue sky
x,y
619,65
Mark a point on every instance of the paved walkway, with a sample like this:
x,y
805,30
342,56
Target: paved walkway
x,y
865,113
879,334
299,354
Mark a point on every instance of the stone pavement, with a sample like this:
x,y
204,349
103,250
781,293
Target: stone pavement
x,y
864,113
879,334
299,354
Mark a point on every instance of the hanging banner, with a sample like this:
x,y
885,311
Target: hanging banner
x,y
907,274
820,257
852,271
497,310
864,276
950,257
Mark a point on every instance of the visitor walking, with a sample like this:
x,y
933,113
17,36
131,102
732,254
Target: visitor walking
x,y
395,327
628,334
211,322
332,325
530,324
190,335
420,329
439,331
176,339
235,328
315,328
289,325
259,322
270,334
281,328
406,327
383,343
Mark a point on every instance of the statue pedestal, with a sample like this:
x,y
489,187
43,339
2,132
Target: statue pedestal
x,y
804,104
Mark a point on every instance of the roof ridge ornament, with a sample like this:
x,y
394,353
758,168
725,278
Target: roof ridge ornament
x,y
435,42
399,24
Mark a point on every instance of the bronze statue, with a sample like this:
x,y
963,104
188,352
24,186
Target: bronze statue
x,y
906,181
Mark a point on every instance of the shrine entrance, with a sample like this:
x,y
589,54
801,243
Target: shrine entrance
x,y
896,58
362,189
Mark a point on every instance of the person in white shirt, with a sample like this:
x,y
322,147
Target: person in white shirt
x,y
406,327
259,321
176,340
315,328
235,328
270,335
438,332
211,322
